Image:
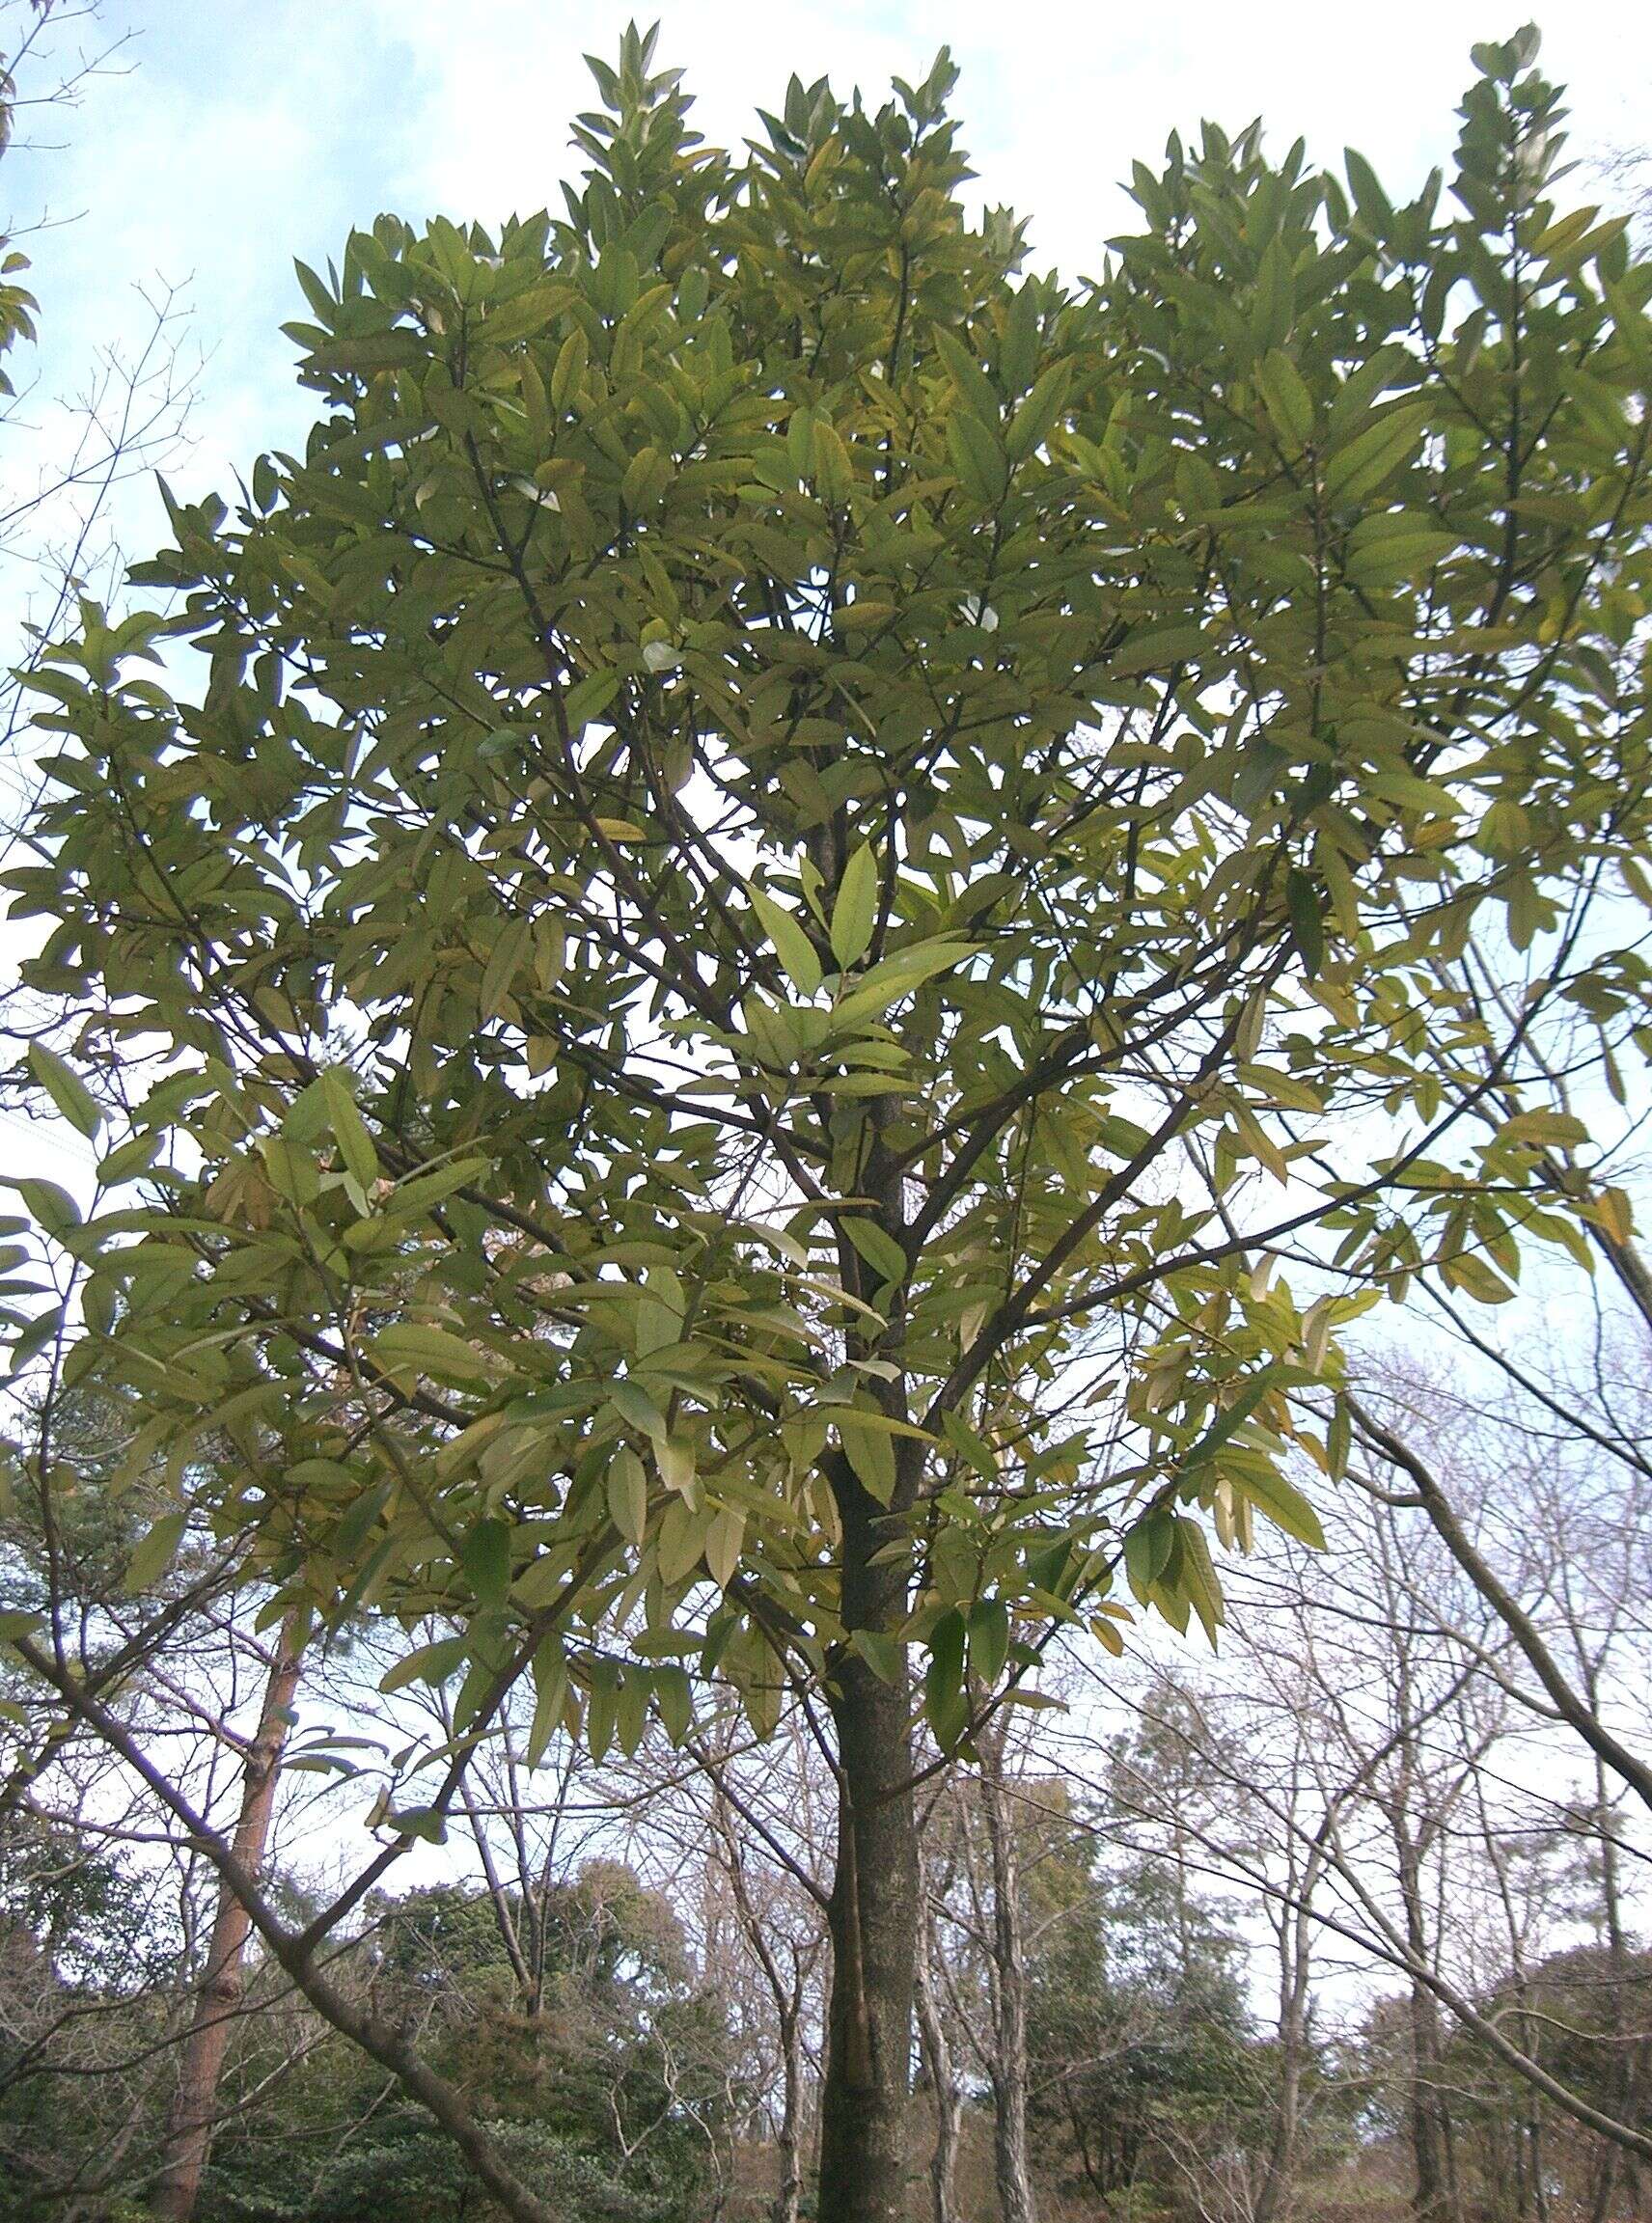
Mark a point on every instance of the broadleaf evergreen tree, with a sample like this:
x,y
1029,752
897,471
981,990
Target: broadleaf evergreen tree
x,y
801,861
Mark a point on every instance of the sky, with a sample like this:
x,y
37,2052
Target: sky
x,y
228,136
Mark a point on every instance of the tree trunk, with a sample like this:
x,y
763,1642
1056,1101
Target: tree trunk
x,y
943,2079
874,1919
1294,1966
1010,2164
1430,2196
788,2198
189,2128
1611,2163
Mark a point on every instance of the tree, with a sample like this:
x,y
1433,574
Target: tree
x,y
785,828
1137,2029
194,2107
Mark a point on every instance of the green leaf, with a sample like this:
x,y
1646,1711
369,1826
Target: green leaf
x,y
156,1553
884,1654
1286,400
413,1347
1285,1506
550,1700
1372,201
673,1701
66,1088
1198,1584
52,1208
792,944
638,1409
627,1491
1033,420
1476,1278
834,469
484,1555
589,697
505,961
723,1541
682,1539
413,1198
1147,1548
979,458
349,1129
975,390
879,1248
944,1700
1227,1422
1359,466
568,375
989,1640
431,1663
855,911
1307,928
895,976
870,1452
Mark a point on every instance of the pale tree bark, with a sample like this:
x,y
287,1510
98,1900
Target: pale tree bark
x,y
1008,1977
189,2129
298,1952
1292,1917
788,1992
1430,2160
788,2194
943,2074
1613,2164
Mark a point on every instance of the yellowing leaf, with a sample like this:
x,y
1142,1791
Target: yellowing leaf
x,y
1615,1214
723,1541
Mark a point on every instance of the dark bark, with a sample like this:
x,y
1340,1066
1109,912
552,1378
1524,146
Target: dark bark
x,y
873,1916
189,2129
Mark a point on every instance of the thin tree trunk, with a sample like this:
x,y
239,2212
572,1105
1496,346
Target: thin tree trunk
x,y
189,2128
1010,2163
1294,1966
1430,2194
1611,2165
943,2079
873,1916
788,2199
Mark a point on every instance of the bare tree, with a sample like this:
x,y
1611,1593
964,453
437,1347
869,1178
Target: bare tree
x,y
189,2130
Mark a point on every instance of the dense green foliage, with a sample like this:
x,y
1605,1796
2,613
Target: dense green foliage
x,y
779,822
610,2094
